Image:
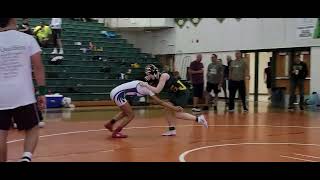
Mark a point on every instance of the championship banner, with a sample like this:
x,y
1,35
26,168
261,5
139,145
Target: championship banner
x,y
308,28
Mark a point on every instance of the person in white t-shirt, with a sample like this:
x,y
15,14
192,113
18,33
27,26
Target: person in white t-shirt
x,y
56,26
19,52
118,94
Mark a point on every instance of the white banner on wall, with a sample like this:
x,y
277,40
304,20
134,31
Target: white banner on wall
x,y
185,63
306,28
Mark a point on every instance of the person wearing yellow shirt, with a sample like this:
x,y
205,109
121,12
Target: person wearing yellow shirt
x,y
42,34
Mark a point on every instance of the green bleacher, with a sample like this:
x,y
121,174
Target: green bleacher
x,y
80,76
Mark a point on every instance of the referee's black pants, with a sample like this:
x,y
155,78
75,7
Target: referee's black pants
x,y
233,87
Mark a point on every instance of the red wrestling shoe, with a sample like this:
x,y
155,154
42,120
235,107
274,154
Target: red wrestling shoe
x,y
119,135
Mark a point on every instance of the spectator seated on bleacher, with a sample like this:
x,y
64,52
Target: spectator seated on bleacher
x,y
42,33
92,46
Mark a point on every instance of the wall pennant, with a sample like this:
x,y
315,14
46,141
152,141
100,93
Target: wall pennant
x,y
195,21
220,19
181,21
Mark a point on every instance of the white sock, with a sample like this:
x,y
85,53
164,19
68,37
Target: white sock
x,y
27,156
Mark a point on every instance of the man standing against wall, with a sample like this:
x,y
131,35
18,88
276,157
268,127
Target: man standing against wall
x,y
238,72
267,78
298,72
229,59
19,53
214,80
196,76
225,79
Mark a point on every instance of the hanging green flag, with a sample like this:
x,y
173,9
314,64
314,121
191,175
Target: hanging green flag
x,y
316,33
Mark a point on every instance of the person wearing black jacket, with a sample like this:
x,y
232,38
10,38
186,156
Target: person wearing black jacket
x,y
298,72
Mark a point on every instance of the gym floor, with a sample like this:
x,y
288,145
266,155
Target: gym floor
x,y
264,134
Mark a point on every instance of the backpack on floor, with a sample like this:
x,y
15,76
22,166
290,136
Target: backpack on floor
x,y
56,60
313,99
